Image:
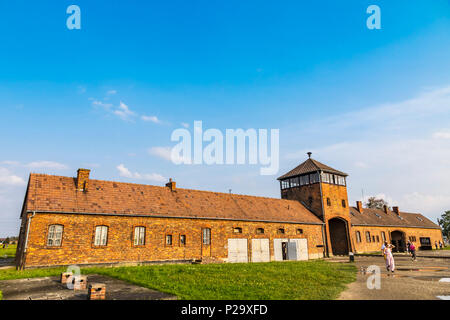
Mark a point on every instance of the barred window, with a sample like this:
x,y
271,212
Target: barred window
x,y
281,231
54,238
169,239
139,236
344,204
328,202
383,236
206,235
368,236
285,184
259,231
101,236
314,178
299,231
294,182
304,180
182,240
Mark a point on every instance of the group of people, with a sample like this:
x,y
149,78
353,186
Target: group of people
x,y
386,250
441,245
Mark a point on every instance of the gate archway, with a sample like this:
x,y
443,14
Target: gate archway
x,y
398,240
338,236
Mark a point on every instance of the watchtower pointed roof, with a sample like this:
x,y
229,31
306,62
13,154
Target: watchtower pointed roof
x,y
311,166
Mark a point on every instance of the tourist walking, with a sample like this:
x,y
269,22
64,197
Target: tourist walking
x,y
390,263
412,249
440,244
436,245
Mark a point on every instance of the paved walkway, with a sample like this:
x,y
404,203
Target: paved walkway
x,y
50,289
424,279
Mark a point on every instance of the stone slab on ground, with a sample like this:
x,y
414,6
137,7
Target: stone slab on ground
x,y
50,288
412,280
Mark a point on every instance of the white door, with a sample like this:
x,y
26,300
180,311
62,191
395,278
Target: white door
x,y
277,250
237,250
302,248
260,250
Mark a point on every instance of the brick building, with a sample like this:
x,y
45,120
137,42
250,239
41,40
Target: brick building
x,y
84,221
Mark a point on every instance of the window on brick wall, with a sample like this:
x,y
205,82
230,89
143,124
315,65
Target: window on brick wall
x,y
237,230
344,204
260,231
358,236
329,202
280,231
299,231
378,238
168,240
139,236
54,237
101,236
206,236
182,240
368,236
383,236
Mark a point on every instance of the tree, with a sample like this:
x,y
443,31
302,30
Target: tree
x,y
374,203
445,223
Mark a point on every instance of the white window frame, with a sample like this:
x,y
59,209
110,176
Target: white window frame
x,y
206,236
101,236
139,236
55,234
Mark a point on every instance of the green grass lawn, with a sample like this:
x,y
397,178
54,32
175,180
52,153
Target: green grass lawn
x,y
259,281
8,253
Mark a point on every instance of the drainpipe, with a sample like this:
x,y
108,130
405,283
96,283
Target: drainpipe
x,y
28,232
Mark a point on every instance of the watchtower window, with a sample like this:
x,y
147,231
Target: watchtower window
x,y
304,180
314,178
294,182
285,184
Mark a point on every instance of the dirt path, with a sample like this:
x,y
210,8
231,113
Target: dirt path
x,y
412,280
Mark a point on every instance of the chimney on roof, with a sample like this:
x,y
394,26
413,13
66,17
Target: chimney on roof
x,y
395,209
83,179
172,185
386,209
309,154
359,206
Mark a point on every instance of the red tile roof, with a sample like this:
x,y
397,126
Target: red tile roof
x,y
47,193
310,166
377,217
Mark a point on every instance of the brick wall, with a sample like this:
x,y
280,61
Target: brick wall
x,y
364,246
78,237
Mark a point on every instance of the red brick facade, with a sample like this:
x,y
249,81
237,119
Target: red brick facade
x,y
78,239
316,209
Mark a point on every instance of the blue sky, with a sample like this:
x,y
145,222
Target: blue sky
x,y
373,103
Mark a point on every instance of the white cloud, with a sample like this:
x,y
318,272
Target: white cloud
x,y
123,111
6,177
444,134
125,172
166,154
153,119
10,163
46,165
98,103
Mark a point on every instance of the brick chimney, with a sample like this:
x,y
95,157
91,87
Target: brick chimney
x,y
172,185
386,209
359,206
395,209
83,179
